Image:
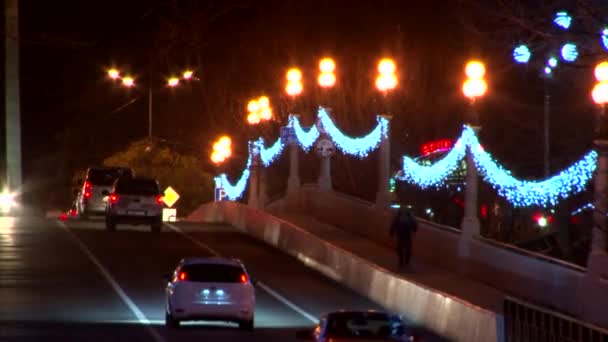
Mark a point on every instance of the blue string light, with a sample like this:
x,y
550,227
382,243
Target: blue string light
x,y
436,174
268,155
569,52
306,138
529,193
563,20
234,192
522,54
605,38
359,147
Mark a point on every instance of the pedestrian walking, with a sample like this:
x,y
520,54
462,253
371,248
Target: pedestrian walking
x,y
403,227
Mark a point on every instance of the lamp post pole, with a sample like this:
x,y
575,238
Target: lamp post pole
x,y
474,87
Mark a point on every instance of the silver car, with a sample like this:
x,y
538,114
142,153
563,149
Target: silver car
x,y
134,201
90,199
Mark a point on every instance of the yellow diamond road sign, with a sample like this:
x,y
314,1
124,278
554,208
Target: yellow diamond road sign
x,y
170,197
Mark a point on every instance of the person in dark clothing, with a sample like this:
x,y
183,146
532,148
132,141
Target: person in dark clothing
x,y
403,228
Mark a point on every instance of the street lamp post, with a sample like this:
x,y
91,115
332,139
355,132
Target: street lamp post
x,y
385,82
259,110
129,82
473,87
326,80
600,97
293,88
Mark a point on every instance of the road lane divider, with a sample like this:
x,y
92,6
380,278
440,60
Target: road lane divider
x,y
261,285
141,317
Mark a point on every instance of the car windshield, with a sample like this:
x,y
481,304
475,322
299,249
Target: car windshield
x,y
213,273
128,186
107,176
363,325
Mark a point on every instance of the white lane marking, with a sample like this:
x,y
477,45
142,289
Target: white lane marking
x,y
263,286
141,317
195,241
287,302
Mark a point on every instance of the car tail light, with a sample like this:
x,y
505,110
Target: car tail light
x,y
87,194
244,278
113,198
87,185
182,276
159,199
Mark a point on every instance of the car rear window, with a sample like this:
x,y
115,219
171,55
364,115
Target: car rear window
x,y
107,176
213,273
137,187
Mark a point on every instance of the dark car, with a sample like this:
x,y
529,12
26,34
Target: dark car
x,y
134,201
358,326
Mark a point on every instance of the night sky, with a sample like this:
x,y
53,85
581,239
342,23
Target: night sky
x,y
241,49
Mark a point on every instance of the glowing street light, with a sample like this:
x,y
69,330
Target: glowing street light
x,y
475,86
294,85
222,149
128,81
600,91
259,109
386,79
173,82
327,76
114,74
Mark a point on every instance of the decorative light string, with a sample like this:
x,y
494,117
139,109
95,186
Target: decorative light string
x,y
436,174
234,192
520,193
523,193
359,147
306,138
268,155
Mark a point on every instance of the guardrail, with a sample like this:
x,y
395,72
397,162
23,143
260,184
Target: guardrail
x,y
526,322
531,254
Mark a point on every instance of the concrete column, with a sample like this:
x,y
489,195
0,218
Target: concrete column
x,y
293,182
12,97
383,196
325,174
470,221
263,192
254,182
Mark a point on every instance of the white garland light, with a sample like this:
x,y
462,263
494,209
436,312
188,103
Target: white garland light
x,y
268,155
306,138
359,147
234,192
436,174
523,193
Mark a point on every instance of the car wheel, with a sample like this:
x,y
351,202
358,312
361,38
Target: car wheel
x,y
246,325
171,322
110,225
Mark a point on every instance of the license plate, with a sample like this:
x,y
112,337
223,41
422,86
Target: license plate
x,y
136,212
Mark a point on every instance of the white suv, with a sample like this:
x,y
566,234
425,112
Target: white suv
x,y
134,201
210,289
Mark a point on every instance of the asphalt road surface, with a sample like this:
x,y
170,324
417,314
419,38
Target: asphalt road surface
x,y
73,281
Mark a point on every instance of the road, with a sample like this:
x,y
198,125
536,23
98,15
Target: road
x,y
72,281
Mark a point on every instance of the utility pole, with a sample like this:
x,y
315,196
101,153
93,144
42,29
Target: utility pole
x,y
12,102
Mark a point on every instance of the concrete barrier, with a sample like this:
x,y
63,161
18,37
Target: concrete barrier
x,y
445,315
513,270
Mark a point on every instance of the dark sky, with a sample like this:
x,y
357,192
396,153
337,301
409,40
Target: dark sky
x,y
241,49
